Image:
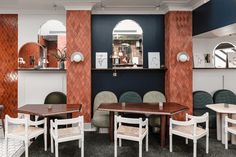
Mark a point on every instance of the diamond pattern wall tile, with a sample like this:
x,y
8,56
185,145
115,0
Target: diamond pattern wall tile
x,y
78,34
8,62
178,38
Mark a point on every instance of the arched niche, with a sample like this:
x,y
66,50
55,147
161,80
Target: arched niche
x,y
127,44
29,55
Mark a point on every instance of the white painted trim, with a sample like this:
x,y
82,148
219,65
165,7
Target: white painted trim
x,y
127,11
197,3
82,5
34,12
78,7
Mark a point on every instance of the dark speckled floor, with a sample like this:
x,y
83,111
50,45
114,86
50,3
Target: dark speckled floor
x,y
98,145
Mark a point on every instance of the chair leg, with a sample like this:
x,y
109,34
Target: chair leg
x,y
194,148
6,146
79,143
186,141
45,141
3,126
147,142
140,148
226,139
82,147
115,147
52,149
56,149
207,143
120,142
26,148
171,140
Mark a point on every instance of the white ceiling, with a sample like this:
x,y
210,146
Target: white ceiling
x,y
101,6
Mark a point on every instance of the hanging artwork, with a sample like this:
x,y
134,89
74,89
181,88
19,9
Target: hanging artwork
x,y
203,60
101,60
153,60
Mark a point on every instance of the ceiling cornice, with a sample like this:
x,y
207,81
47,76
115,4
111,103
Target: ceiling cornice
x,y
80,5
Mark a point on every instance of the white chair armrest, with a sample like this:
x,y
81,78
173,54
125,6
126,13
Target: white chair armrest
x,y
36,123
229,120
182,123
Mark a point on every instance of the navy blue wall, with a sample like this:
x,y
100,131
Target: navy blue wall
x,y
214,14
140,81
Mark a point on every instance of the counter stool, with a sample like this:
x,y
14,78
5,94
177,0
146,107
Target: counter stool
x,y
1,113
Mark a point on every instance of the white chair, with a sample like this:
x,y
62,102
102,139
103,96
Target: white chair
x,y
130,132
229,129
190,130
24,129
59,135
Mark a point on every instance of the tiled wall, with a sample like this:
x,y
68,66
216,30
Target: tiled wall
x,y
78,24
8,62
178,37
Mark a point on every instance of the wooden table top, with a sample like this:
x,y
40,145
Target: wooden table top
x,y
169,108
44,110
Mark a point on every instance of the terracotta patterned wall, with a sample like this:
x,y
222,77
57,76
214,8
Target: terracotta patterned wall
x,y
8,62
178,37
78,24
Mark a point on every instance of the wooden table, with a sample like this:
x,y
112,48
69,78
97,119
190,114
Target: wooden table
x,y
221,112
43,110
168,110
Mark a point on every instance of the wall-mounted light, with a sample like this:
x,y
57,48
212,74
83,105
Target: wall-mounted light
x,y
182,57
77,57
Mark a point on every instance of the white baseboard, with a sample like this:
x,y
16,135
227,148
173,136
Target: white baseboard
x,y
89,127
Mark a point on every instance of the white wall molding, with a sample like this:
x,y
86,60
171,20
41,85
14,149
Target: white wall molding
x,y
197,3
81,5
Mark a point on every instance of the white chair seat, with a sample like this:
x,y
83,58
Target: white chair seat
x,y
20,131
68,132
229,128
132,133
129,131
24,129
59,135
189,130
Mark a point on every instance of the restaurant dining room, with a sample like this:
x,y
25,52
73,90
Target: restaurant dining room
x,y
117,78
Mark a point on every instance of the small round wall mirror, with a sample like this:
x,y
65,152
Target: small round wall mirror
x,y
225,55
127,44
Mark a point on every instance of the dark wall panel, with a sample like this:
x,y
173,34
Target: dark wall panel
x,y
213,15
140,81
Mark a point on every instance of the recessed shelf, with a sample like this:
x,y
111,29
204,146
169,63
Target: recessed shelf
x,y
132,69
46,69
215,68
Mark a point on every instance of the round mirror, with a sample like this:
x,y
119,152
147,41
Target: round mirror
x,y
127,44
225,54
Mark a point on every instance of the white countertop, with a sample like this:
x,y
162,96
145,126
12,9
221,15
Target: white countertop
x,y
220,108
